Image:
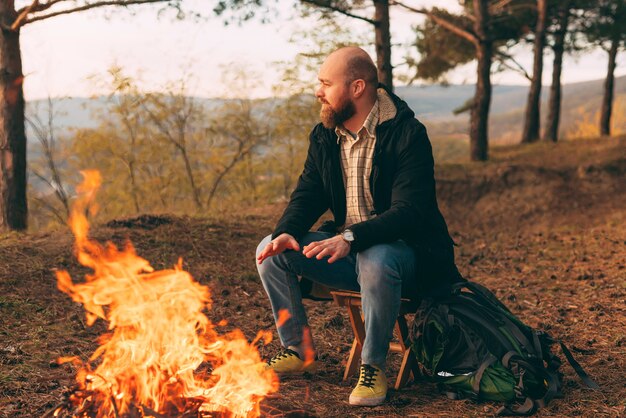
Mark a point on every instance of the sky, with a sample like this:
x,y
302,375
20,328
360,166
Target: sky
x,y
69,55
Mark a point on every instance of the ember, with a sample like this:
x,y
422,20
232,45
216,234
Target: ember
x,y
162,356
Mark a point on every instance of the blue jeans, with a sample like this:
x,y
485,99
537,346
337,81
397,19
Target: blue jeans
x,y
377,272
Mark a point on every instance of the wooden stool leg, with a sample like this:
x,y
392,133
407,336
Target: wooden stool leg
x,y
409,362
408,367
353,361
357,345
352,301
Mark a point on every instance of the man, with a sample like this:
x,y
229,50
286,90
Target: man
x,y
370,162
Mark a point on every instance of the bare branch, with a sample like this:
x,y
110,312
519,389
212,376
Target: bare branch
x,y
22,13
505,58
43,178
45,135
84,7
36,125
50,208
499,6
444,23
329,6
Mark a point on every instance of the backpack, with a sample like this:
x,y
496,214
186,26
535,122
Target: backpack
x,y
474,347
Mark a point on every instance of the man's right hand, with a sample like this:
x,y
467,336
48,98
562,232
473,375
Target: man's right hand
x,y
278,245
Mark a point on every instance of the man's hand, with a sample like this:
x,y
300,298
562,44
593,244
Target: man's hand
x,y
335,247
278,245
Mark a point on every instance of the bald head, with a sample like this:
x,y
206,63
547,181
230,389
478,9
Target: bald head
x,y
347,90
356,64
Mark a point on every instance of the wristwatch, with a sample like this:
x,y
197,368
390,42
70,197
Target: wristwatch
x,y
348,236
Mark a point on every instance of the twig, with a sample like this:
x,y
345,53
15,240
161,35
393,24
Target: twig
x,y
87,7
329,6
51,412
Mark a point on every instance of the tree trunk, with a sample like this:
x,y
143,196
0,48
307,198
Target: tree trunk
x,y
192,182
609,87
134,190
479,123
133,185
218,180
533,105
554,105
383,43
14,209
479,119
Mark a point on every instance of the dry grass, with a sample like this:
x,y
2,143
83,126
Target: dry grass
x,y
543,226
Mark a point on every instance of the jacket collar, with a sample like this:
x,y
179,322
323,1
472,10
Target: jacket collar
x,y
387,109
392,110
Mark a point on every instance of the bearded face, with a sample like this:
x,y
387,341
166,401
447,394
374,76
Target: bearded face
x,y
333,116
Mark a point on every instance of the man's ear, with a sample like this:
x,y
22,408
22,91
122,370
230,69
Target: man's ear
x,y
358,87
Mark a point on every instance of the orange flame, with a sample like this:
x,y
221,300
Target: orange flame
x,y
283,316
307,346
158,335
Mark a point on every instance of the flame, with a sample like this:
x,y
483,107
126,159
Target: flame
x,y
307,346
158,339
283,316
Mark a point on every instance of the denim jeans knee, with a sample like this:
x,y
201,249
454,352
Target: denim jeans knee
x,y
377,272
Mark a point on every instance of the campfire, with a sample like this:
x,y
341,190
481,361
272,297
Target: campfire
x,y
161,356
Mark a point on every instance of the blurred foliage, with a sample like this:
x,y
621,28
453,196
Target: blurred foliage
x,y
47,169
436,61
509,23
299,76
239,11
172,153
606,21
586,124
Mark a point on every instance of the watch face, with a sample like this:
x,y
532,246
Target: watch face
x,y
348,235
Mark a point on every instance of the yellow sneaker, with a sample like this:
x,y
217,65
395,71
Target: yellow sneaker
x,y
371,389
289,362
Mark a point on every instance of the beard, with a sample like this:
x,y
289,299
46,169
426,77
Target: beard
x,y
332,118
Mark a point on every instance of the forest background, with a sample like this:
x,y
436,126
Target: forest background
x,y
164,149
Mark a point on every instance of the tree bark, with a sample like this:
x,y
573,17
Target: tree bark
x,y
479,119
554,105
609,88
533,104
192,182
383,42
133,186
14,208
130,164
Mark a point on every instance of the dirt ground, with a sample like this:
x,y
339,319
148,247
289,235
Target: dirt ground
x,y
543,226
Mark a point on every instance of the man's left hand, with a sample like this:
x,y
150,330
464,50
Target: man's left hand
x,y
335,248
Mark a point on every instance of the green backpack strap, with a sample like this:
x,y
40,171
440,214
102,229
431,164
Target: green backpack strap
x,y
488,296
520,330
483,292
481,371
527,408
550,376
478,376
530,405
578,368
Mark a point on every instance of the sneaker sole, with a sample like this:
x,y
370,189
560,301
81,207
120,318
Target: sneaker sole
x,y
357,401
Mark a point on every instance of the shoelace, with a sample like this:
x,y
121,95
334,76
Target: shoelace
x,y
367,376
283,354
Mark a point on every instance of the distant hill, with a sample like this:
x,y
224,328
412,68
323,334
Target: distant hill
x,y
432,104
436,103
81,112
581,104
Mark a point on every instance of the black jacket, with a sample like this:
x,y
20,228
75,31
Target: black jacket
x,y
403,188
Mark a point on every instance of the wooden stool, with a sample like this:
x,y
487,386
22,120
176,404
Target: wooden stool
x,y
352,300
